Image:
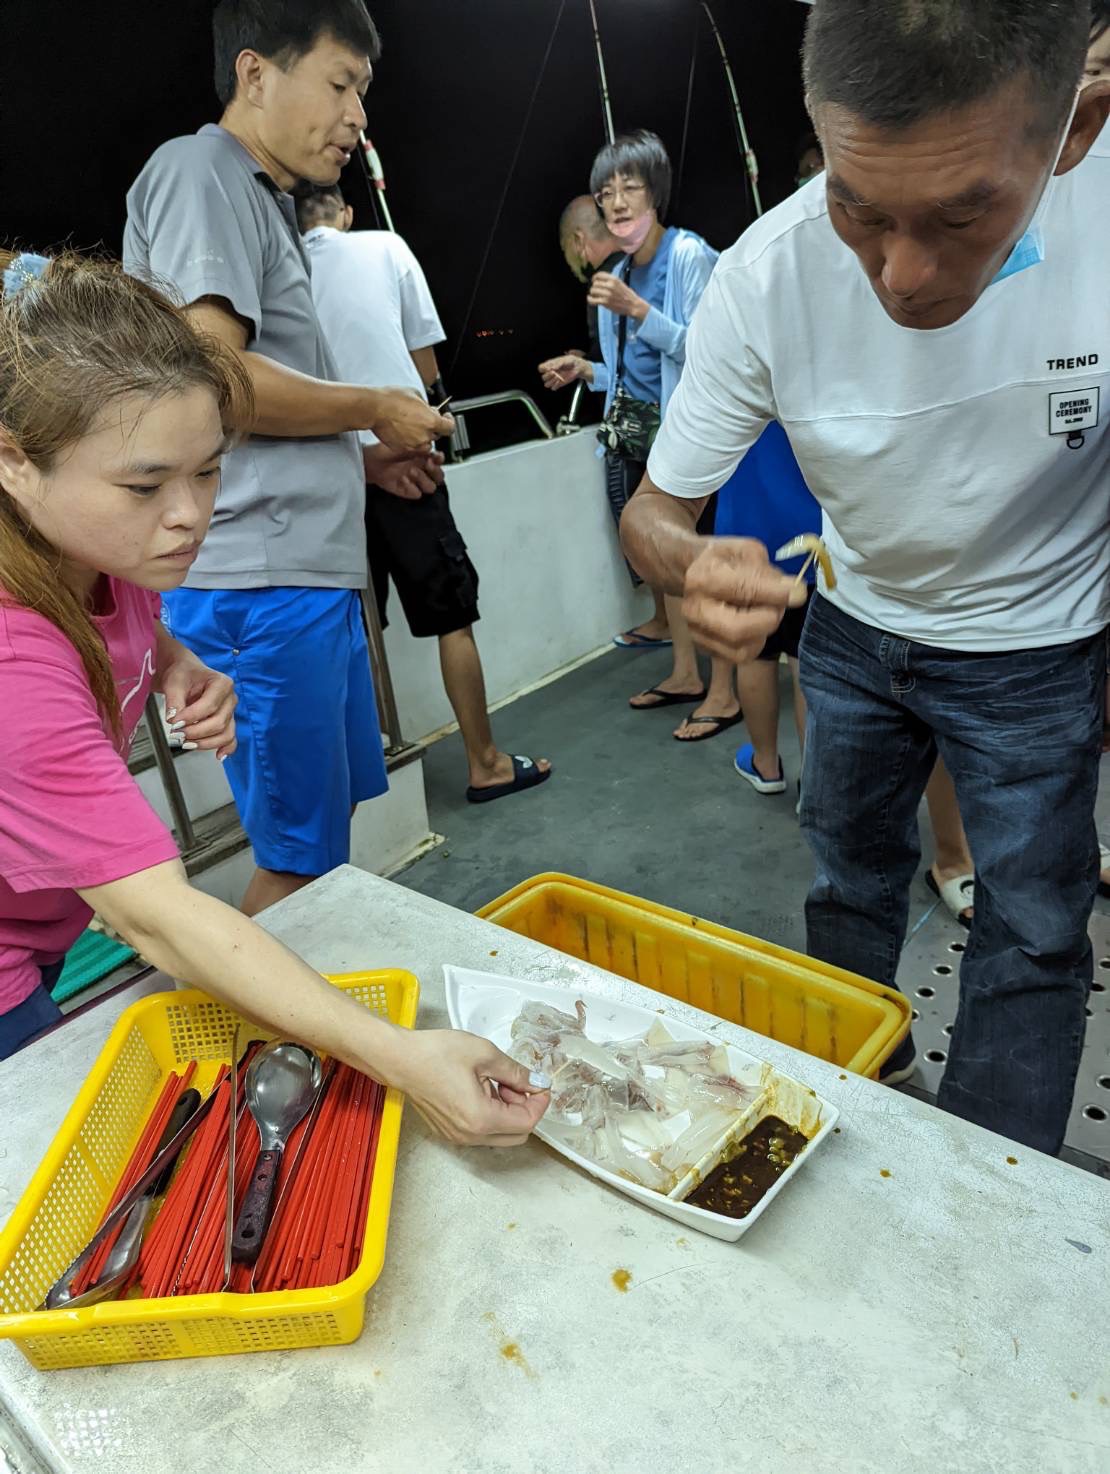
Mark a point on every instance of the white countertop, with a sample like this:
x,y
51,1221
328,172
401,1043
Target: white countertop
x,y
952,1318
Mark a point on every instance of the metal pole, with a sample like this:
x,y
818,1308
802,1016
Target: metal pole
x,y
601,78
388,715
163,756
742,132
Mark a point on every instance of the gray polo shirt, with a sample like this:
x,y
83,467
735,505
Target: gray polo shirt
x,y
205,217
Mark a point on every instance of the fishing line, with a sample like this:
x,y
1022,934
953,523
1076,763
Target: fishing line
x,y
505,190
686,118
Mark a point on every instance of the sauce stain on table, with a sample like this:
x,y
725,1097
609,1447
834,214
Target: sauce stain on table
x,y
512,1352
509,1350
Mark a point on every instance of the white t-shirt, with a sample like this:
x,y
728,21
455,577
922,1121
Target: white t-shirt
x,y
957,508
374,306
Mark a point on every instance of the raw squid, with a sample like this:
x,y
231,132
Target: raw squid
x,y
648,1108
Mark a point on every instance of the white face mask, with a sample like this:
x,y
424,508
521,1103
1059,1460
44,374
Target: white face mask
x,y
1029,249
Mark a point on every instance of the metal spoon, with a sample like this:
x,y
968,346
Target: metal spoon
x,y
282,1082
140,1197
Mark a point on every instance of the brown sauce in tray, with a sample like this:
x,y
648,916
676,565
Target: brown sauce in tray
x,y
762,1157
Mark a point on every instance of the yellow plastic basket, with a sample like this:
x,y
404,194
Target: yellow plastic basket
x,y
61,1208
836,1015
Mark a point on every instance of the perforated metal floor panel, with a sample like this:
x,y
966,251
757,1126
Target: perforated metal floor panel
x,y
929,974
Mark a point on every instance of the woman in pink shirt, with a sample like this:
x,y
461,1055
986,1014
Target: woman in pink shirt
x,y
114,415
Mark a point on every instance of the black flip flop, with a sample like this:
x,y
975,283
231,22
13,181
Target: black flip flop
x,y
722,725
526,774
667,698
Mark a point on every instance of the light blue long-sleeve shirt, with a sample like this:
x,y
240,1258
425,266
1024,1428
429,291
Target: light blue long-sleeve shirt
x,y
691,265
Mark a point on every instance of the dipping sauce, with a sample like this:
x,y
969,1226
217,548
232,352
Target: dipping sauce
x,y
736,1186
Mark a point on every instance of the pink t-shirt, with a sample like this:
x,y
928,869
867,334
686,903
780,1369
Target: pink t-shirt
x,y
71,815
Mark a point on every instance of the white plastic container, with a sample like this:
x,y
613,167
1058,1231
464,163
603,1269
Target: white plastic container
x,y
486,1004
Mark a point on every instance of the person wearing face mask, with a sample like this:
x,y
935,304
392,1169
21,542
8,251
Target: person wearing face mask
x,y
587,248
948,407
644,307
811,161
951,876
1097,68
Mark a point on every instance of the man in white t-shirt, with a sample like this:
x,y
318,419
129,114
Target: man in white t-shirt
x,y
947,405
381,325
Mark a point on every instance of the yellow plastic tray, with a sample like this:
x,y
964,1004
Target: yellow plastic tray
x,y
836,1015
62,1206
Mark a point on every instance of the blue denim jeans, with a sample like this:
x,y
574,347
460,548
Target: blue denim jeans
x,y
27,1019
1020,732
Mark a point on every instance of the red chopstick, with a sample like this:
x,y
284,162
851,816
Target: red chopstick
x,y
139,1161
324,1188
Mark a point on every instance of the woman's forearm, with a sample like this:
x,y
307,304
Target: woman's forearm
x,y
664,335
166,651
202,941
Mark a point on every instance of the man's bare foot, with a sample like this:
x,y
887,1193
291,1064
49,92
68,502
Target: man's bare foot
x,y
676,686
653,629
491,775
691,731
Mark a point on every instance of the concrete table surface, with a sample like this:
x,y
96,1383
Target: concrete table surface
x,y
953,1315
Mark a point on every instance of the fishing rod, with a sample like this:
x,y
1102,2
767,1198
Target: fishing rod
x,y
602,80
375,181
746,152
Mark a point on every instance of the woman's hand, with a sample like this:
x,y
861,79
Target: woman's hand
x,y
607,290
466,1089
200,702
557,372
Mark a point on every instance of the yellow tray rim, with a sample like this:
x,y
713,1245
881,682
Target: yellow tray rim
x,y
225,1306
894,1007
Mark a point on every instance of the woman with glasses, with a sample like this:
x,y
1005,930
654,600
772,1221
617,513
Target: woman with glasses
x,y
645,305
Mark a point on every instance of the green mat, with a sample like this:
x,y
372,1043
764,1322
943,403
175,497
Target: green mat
x,y
92,956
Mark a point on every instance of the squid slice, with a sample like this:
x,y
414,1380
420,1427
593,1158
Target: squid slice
x,y
809,542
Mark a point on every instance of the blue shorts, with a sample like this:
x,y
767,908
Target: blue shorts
x,y
310,744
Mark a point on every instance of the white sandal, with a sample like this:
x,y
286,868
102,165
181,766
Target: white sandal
x,y
1103,864
958,894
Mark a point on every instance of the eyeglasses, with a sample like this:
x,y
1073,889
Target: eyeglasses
x,y
607,195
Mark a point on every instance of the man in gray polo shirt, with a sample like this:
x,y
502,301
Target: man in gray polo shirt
x,y
273,596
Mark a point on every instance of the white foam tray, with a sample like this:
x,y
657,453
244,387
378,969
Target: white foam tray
x,y
486,1004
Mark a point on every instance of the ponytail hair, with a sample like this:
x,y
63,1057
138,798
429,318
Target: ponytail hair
x,y
76,335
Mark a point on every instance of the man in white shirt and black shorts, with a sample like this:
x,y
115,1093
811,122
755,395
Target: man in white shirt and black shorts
x,y
381,325
947,406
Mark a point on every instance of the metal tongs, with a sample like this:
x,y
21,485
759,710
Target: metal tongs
x,y
59,1296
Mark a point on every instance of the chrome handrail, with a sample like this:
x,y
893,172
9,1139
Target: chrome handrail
x,y
568,423
508,396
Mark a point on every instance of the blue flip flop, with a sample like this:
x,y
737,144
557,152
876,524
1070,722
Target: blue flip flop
x,y
526,774
630,640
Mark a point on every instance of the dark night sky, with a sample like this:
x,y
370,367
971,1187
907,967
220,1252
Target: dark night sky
x,y
92,90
